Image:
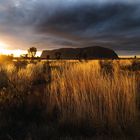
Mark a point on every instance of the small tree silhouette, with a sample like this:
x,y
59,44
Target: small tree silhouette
x,y
24,56
32,52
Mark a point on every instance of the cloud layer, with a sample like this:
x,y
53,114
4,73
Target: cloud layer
x,y
71,23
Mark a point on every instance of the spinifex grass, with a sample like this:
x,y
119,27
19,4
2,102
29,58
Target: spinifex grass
x,y
84,94
88,96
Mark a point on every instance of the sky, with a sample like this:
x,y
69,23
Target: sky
x,y
50,24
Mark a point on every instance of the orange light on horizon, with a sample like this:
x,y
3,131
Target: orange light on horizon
x,y
5,51
17,52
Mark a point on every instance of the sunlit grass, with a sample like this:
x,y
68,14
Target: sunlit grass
x,y
83,94
97,96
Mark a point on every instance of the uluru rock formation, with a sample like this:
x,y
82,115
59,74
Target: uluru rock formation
x,y
95,52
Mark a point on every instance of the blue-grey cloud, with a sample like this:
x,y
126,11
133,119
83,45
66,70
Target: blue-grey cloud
x,y
61,23
117,23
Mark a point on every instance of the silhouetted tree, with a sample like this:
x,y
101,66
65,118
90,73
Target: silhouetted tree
x,y
32,52
24,56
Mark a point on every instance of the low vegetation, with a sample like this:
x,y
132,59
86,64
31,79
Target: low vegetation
x,y
70,99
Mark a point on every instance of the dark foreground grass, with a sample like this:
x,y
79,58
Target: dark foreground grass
x,y
69,100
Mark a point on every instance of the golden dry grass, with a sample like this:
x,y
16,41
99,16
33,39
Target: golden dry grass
x,y
83,93
97,96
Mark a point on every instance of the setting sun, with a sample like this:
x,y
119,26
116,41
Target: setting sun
x,y
2,45
4,50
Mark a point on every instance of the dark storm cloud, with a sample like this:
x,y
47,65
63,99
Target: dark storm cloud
x,y
76,23
79,18
117,23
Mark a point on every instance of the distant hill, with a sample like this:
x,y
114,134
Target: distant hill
x,y
95,52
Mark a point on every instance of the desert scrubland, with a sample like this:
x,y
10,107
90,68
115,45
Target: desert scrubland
x,y
70,99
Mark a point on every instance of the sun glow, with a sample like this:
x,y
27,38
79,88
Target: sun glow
x,y
4,50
